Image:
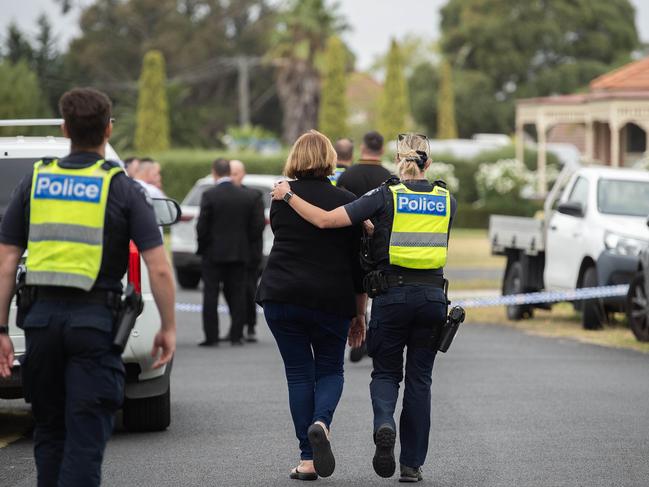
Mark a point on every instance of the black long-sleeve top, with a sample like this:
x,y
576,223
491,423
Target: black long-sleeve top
x,y
310,267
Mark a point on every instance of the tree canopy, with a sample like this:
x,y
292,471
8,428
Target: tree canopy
x,y
152,129
394,106
333,102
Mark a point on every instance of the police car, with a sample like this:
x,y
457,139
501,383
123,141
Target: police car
x,y
147,391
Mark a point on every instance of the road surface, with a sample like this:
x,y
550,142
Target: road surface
x,y
509,409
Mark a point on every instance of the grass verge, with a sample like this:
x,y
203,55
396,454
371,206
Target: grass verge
x,y
470,249
561,322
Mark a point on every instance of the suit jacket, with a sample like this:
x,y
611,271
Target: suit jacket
x,y
257,243
229,221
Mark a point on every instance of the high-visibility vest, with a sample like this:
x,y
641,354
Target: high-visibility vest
x,y
66,224
336,175
419,235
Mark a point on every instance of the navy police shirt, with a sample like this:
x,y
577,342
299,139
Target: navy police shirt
x,y
129,216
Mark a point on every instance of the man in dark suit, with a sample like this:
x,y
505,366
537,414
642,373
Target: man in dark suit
x,y
253,269
229,221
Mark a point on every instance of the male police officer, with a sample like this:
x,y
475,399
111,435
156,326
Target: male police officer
x,y
76,216
412,220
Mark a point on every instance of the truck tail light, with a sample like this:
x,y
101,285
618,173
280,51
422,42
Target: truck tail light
x,y
134,267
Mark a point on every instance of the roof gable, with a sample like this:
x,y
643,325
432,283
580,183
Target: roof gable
x,y
632,76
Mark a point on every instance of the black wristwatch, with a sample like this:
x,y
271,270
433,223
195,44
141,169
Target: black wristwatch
x,y
288,196
4,330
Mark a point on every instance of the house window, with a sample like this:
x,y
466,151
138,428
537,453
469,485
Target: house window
x,y
636,140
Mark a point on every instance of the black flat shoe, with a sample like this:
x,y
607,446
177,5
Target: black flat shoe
x,y
383,461
323,458
208,344
297,475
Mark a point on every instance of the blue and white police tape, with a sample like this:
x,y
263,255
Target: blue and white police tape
x,y
485,302
545,297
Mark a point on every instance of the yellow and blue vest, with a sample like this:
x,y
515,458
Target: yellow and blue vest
x,y
66,224
336,175
419,233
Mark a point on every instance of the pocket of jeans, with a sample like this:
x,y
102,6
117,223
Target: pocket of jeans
x,y
439,305
397,296
111,393
38,316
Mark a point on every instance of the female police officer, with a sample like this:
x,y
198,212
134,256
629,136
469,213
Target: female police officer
x,y
412,219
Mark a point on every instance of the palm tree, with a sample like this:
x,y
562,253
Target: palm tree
x,y
302,33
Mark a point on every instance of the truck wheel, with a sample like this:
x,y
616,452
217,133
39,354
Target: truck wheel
x,y
148,414
187,279
514,285
637,308
592,316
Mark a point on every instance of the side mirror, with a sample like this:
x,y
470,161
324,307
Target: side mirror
x,y
571,208
167,211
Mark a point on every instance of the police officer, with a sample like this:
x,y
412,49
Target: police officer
x,y
412,219
76,216
345,158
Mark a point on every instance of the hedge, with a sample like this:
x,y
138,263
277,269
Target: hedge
x,y
182,167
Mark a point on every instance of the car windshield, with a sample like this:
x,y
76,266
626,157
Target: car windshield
x,y
194,196
619,197
12,170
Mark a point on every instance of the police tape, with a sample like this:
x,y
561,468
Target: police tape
x,y
545,297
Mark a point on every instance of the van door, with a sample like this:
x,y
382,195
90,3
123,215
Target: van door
x,y
564,247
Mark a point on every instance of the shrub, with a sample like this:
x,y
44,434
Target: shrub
x,y
446,172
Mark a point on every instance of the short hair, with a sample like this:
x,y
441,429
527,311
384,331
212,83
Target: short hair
x,y
311,155
221,167
146,159
345,149
86,113
129,160
373,141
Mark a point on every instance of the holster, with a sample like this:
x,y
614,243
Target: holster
x,y
453,321
130,308
375,283
25,296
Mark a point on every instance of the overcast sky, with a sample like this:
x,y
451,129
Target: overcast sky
x,y
373,22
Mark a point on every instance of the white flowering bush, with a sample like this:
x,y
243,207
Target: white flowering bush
x,y
446,172
504,177
642,164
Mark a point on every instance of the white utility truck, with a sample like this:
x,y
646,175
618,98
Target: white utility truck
x,y
594,226
147,391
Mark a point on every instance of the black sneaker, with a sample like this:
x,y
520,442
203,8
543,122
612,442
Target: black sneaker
x,y
383,461
409,474
251,337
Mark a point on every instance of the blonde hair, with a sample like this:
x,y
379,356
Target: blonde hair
x,y
407,147
311,155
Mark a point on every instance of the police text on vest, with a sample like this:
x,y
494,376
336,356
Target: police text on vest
x,y
70,188
421,204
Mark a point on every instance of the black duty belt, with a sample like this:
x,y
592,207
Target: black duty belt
x,y
404,279
111,299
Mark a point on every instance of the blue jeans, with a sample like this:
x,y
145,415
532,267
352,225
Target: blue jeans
x,y
412,317
75,382
312,345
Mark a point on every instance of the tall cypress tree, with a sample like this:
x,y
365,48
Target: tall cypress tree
x,y
152,118
446,126
333,100
394,109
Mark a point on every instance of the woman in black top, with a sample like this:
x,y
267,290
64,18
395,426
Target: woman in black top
x,y
311,292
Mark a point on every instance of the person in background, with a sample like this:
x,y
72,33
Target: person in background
x,y
253,268
148,176
131,165
311,292
345,151
368,173
229,221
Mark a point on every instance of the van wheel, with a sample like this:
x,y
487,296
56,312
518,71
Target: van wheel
x,y
514,285
637,308
592,316
148,414
188,279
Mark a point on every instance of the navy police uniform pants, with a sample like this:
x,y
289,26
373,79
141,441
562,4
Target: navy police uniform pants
x,y
405,317
75,383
